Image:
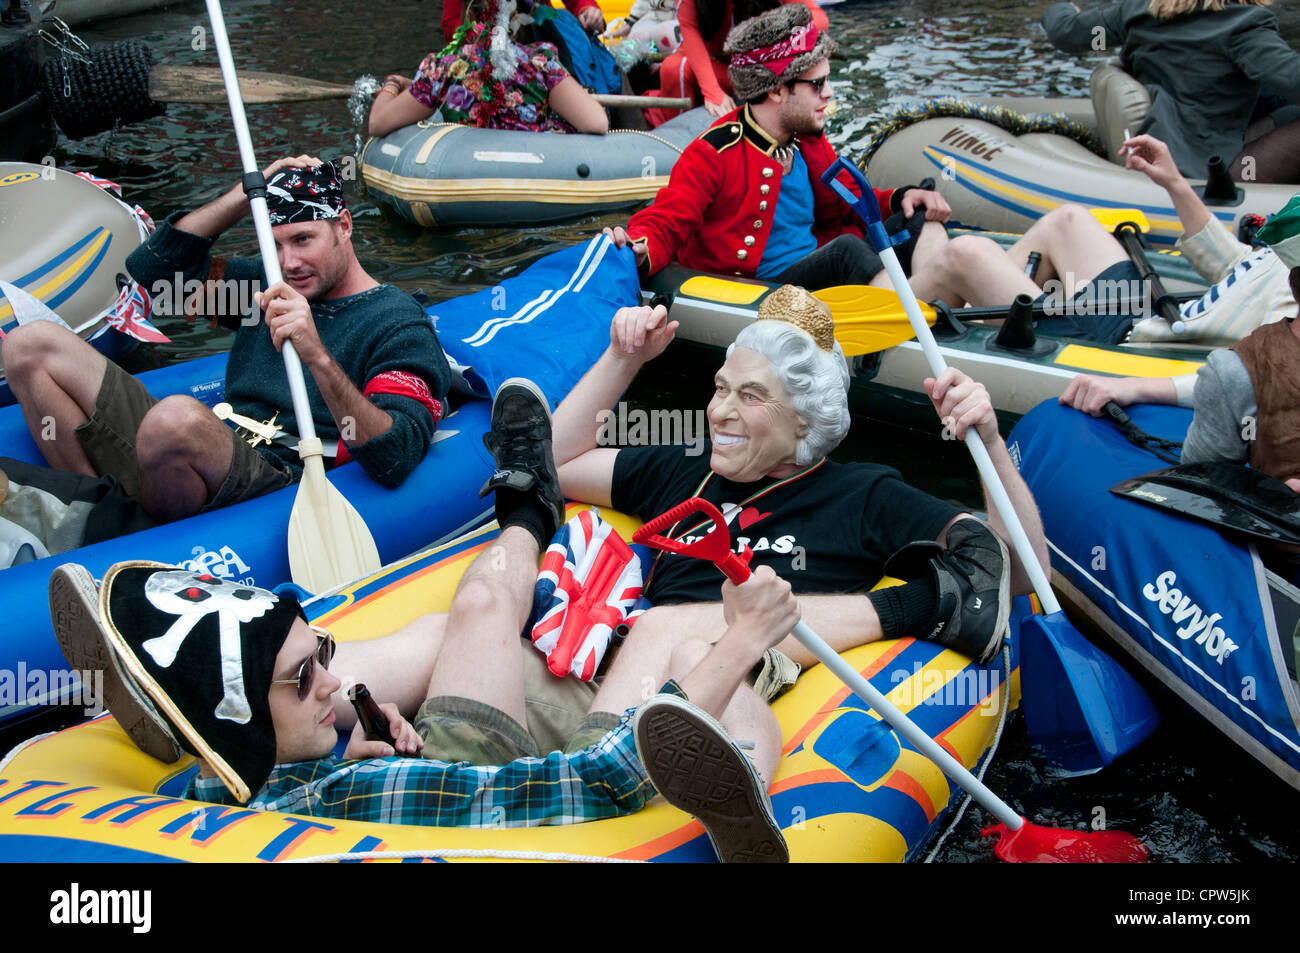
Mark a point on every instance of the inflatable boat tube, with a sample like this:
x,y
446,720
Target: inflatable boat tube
x,y
443,174
847,789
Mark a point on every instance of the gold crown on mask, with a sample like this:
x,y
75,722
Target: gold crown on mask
x,y
794,305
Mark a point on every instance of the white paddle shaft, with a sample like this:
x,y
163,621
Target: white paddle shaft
x,y
906,727
988,473
261,218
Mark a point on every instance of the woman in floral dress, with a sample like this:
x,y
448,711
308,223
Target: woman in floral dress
x,y
484,78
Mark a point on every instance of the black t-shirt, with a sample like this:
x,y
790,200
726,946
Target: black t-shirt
x,y
828,530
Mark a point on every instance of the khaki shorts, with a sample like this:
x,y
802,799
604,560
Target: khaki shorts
x,y
108,439
461,729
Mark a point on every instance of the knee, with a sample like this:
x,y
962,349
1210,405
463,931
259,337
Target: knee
x,y
32,349
1067,219
686,656
965,254
173,428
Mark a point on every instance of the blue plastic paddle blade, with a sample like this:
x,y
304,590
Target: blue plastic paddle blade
x,y
1080,705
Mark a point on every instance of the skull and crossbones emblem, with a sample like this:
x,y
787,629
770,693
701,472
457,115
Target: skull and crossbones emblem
x,y
192,598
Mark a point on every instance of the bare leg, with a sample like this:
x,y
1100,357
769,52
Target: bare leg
x,y
1076,248
929,243
480,656
973,270
55,376
184,454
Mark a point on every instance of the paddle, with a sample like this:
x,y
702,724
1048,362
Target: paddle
x,y
1229,496
1127,225
1094,709
203,84
863,325
1020,841
329,543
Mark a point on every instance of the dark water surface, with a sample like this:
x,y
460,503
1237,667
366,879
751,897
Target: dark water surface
x,y
1189,794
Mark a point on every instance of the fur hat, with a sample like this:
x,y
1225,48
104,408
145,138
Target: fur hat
x,y
204,651
774,48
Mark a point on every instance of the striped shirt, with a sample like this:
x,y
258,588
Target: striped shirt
x,y
1249,289
604,780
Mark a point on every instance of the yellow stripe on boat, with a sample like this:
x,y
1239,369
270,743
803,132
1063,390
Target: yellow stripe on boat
x,y
721,290
554,191
65,276
1124,365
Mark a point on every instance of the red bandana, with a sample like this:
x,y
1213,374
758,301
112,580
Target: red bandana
x,y
780,55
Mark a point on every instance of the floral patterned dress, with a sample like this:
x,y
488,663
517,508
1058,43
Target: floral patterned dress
x,y
457,84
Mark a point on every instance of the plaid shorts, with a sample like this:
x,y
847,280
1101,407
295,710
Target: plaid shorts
x,y
108,439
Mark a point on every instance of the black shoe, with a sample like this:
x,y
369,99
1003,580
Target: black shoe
x,y
696,766
520,443
973,578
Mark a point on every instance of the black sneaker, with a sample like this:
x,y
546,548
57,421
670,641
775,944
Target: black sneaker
x,y
696,766
520,443
973,579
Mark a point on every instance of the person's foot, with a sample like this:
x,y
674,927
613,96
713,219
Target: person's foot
x,y
696,767
973,578
74,609
525,482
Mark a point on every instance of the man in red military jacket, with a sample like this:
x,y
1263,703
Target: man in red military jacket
x,y
746,197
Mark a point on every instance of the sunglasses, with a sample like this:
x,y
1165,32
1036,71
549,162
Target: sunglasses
x,y
817,84
307,671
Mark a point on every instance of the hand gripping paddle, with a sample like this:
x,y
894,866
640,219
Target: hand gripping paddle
x,y
1019,841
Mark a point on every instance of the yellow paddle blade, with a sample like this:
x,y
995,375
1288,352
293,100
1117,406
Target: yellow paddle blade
x,y
869,319
329,543
1111,217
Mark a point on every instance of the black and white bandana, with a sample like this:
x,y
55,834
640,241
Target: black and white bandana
x,y
204,650
304,194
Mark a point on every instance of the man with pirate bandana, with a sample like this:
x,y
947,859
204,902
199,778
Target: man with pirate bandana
x,y
236,676
380,377
746,197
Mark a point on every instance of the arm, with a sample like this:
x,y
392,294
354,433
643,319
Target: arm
x,y
1089,392
961,404
698,58
1225,402
636,335
588,13
1259,51
679,209
576,105
1151,157
1072,30
395,107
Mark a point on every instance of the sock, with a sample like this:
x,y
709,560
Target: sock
x,y
907,610
514,508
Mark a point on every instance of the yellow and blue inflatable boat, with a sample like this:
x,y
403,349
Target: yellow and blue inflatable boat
x,y
847,789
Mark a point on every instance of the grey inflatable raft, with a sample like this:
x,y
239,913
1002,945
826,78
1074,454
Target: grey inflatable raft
x,y
442,174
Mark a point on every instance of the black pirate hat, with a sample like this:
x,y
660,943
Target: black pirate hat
x,y
204,650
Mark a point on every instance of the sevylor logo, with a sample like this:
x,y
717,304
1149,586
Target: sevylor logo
x,y
1181,609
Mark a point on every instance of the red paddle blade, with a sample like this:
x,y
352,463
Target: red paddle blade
x,y
1034,844
715,545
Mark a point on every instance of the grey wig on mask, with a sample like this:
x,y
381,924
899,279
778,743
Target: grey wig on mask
x,y
817,382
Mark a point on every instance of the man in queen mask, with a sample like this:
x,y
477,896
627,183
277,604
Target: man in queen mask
x,y
380,377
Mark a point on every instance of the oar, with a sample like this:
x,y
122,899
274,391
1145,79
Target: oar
x,y
1095,710
1020,841
329,543
863,325
1127,225
203,84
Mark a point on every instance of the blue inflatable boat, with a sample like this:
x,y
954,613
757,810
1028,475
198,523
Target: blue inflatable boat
x,y
549,323
1195,607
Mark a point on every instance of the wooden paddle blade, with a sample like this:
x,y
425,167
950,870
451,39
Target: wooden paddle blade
x,y
869,319
329,542
202,84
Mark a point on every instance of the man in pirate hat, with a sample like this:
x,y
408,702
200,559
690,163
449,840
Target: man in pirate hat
x,y
746,197
780,406
236,676
381,377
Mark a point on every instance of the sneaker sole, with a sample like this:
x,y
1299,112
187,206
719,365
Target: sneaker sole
x,y
698,769
74,609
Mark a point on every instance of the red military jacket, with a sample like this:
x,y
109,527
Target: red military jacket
x,y
715,214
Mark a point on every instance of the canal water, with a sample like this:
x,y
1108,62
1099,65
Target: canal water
x,y
1191,796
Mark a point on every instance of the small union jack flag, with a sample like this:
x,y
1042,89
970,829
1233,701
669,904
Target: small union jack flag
x,y
589,585
130,315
